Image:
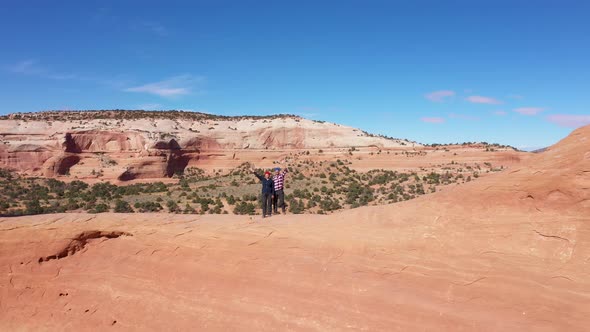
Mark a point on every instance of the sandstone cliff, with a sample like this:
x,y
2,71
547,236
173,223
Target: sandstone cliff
x,y
128,145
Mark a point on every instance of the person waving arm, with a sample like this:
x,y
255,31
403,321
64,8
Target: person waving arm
x,y
260,177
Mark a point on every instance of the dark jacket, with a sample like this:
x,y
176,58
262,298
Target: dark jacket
x,y
268,185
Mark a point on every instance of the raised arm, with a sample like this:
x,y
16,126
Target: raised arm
x,y
260,177
253,171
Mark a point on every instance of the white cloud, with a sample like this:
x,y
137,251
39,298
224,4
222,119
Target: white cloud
x,y
309,112
27,67
152,27
432,119
33,68
63,76
569,121
463,117
309,108
307,115
483,100
171,87
529,110
439,96
149,107
156,28
515,96
500,113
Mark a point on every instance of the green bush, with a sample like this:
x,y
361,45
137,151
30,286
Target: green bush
x,y
148,206
33,207
188,209
100,208
329,204
172,206
245,208
296,206
122,206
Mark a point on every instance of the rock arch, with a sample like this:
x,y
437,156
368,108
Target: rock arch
x,y
64,165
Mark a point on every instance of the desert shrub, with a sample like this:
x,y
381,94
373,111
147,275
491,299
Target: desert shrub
x,y
188,209
100,208
420,189
249,198
205,206
122,206
72,204
38,192
296,206
383,178
102,190
403,177
245,208
329,204
33,207
184,184
6,174
216,209
148,206
432,178
359,194
172,206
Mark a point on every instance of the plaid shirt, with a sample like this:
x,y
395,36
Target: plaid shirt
x,y
280,180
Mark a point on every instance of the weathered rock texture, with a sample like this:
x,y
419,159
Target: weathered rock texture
x,y
128,145
510,252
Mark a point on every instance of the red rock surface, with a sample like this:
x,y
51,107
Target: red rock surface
x,y
75,143
510,252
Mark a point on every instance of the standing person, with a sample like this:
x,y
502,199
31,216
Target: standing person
x,y
279,182
268,191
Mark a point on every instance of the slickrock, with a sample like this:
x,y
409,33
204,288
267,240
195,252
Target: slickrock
x,y
510,252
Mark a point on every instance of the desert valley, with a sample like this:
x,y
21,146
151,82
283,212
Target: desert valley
x,y
138,220
98,161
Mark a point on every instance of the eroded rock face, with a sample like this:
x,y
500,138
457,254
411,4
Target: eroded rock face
x,y
158,147
102,141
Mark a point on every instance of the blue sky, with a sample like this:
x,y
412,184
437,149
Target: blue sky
x,y
511,72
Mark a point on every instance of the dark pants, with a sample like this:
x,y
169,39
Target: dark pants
x,y
266,204
279,201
